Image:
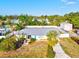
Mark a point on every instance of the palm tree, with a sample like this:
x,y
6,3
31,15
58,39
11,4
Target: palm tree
x,y
52,38
52,34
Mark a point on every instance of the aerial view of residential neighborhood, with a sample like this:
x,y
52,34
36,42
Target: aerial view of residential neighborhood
x,y
39,28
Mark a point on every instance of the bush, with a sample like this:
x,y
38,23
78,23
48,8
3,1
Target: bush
x,y
8,44
50,53
1,39
32,40
76,39
19,27
20,42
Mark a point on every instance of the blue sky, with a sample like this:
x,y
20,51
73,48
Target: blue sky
x,y
38,7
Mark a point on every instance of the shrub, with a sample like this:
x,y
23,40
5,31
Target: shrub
x,y
8,44
1,39
19,27
50,52
20,41
76,39
32,40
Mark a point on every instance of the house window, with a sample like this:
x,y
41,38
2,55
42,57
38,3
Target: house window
x,y
0,34
29,36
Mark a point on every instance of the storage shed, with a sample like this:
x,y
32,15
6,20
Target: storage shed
x,y
66,26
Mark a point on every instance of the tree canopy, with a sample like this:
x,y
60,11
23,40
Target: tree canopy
x,y
24,20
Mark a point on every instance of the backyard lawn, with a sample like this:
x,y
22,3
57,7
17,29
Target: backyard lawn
x,y
70,47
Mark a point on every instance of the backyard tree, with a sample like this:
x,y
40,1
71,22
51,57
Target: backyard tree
x,y
73,18
23,19
75,22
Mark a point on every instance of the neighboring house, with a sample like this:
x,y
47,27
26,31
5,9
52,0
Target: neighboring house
x,y
37,19
47,21
7,28
66,26
2,33
41,20
15,21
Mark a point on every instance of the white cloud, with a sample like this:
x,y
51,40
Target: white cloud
x,y
69,2
64,0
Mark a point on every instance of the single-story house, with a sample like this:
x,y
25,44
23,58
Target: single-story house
x,y
2,33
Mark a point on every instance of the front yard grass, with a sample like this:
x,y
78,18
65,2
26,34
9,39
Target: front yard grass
x,y
38,49
70,47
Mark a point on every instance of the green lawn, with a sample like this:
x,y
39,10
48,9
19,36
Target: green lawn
x,y
70,47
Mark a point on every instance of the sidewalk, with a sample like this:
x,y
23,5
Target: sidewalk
x,y
59,52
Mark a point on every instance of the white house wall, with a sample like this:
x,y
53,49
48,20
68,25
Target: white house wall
x,y
2,37
63,35
68,27
41,37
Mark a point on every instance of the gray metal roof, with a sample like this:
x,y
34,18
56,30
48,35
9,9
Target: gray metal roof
x,y
38,31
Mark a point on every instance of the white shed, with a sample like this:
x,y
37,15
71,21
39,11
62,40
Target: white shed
x,y
66,26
